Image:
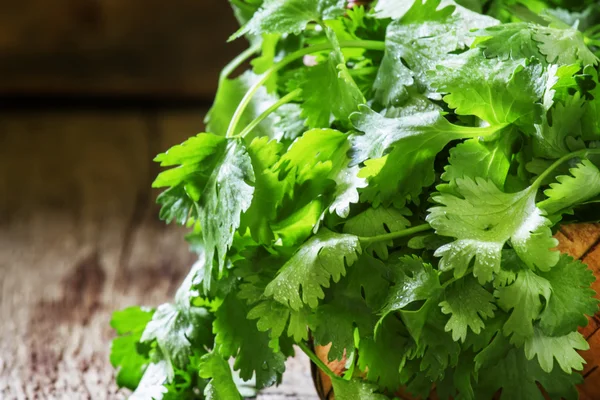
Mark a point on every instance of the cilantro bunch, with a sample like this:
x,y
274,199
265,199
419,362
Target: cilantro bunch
x,y
385,178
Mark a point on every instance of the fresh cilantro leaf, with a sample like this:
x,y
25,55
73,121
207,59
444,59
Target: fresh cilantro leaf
x,y
518,378
555,44
571,190
238,337
418,42
221,386
468,303
475,157
290,122
125,349
499,92
290,16
323,257
414,281
383,355
571,299
378,221
554,136
483,219
334,322
329,90
219,188
563,348
412,143
523,297
177,329
152,384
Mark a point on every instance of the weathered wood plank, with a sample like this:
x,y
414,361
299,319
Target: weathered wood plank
x,y
140,47
79,238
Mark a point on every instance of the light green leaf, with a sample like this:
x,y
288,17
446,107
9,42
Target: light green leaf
x,y
290,16
523,298
355,390
221,386
468,303
378,221
572,297
571,190
482,220
323,257
499,92
563,348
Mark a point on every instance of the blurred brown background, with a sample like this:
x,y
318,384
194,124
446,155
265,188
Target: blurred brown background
x,y
90,91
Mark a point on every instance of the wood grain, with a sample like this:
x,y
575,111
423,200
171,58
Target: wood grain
x,y
79,238
115,47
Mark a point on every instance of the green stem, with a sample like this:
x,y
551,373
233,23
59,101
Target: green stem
x,y
395,235
454,279
239,60
363,71
285,99
317,361
581,153
363,44
473,131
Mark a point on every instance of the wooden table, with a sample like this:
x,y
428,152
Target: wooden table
x,y
79,238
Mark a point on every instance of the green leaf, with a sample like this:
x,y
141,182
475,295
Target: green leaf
x,y
571,299
518,378
217,175
334,322
355,390
523,297
414,281
321,258
583,184
468,304
413,141
177,329
563,348
382,356
290,16
418,42
483,219
475,157
221,386
551,137
152,384
329,90
238,337
552,44
125,349
378,221
499,92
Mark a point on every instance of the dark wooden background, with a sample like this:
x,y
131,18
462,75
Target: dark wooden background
x,y
90,91
114,47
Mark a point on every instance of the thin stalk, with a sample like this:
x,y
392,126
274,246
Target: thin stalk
x,y
366,240
581,153
285,99
363,44
239,60
317,361
454,279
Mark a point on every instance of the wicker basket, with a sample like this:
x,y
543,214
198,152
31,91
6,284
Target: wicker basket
x,y
581,241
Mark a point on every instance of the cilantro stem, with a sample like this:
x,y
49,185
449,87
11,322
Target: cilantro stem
x,y
285,99
239,60
363,44
394,235
316,360
580,153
